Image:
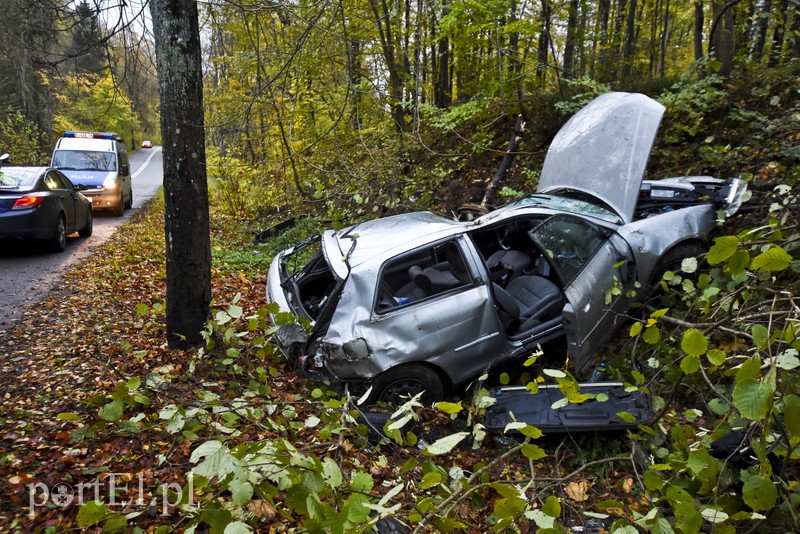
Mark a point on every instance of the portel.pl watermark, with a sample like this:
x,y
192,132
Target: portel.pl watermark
x,y
122,490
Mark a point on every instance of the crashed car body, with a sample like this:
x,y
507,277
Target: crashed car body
x,y
418,302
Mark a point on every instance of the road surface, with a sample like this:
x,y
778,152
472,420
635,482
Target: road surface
x,y
27,273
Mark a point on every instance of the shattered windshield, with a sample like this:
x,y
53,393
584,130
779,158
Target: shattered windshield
x,y
84,160
571,205
18,178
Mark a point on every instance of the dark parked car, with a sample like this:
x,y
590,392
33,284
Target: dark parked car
x,y
418,302
41,204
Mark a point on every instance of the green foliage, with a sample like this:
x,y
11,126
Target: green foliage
x,y
582,90
94,103
688,101
747,371
20,139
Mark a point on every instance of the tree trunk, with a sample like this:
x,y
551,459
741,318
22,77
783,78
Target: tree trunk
x,y
662,63
569,44
516,62
758,28
630,41
186,224
722,35
384,18
778,33
544,43
699,21
796,32
601,62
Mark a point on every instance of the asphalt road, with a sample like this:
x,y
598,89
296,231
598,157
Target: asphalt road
x,y
27,272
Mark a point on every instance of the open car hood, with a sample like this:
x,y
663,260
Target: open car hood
x,y
603,150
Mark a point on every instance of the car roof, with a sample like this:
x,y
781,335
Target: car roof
x,y
389,236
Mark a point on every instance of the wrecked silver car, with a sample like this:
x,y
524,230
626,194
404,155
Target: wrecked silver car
x,y
418,302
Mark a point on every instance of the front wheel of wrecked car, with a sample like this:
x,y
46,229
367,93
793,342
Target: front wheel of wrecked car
x,y
399,384
671,261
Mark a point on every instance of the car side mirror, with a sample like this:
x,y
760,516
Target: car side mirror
x,y
124,170
81,187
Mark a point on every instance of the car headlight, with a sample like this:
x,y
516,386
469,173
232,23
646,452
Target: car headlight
x,y
110,183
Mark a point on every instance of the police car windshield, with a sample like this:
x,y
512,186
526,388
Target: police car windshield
x,y
84,160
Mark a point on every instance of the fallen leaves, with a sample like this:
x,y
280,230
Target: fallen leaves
x,y
578,491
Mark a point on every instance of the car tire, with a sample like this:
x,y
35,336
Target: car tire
x,y
129,203
671,261
399,383
87,230
59,240
119,209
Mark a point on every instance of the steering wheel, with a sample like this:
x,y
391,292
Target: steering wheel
x,y
505,236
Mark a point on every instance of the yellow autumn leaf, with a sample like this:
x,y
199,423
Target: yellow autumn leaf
x,y
578,491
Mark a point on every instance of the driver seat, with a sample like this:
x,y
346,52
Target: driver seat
x,y
505,265
527,302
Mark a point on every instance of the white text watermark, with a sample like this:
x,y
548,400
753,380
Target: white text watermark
x,y
115,490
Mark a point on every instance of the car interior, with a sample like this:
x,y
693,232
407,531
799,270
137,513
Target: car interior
x,y
425,273
526,291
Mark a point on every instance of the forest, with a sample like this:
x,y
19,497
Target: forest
x,y
341,110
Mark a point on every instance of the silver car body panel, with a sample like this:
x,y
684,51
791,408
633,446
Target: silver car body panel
x,y
603,150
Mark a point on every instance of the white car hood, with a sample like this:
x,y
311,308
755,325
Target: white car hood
x,y
603,150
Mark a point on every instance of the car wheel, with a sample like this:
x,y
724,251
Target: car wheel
x,y
129,203
59,240
119,209
671,261
87,230
398,384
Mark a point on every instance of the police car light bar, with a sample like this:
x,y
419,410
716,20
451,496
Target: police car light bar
x,y
91,135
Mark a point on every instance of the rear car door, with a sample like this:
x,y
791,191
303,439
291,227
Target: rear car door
x,y
595,268
450,323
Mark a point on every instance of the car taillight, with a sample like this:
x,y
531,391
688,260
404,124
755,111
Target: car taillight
x,y
27,202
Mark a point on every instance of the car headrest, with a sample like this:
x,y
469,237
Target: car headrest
x,y
418,276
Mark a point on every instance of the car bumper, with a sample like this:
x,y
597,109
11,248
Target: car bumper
x,y
25,225
108,200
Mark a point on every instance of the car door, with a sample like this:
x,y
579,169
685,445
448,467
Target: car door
x,y
124,168
66,196
450,325
594,265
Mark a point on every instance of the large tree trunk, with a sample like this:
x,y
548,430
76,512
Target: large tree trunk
x,y
186,225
